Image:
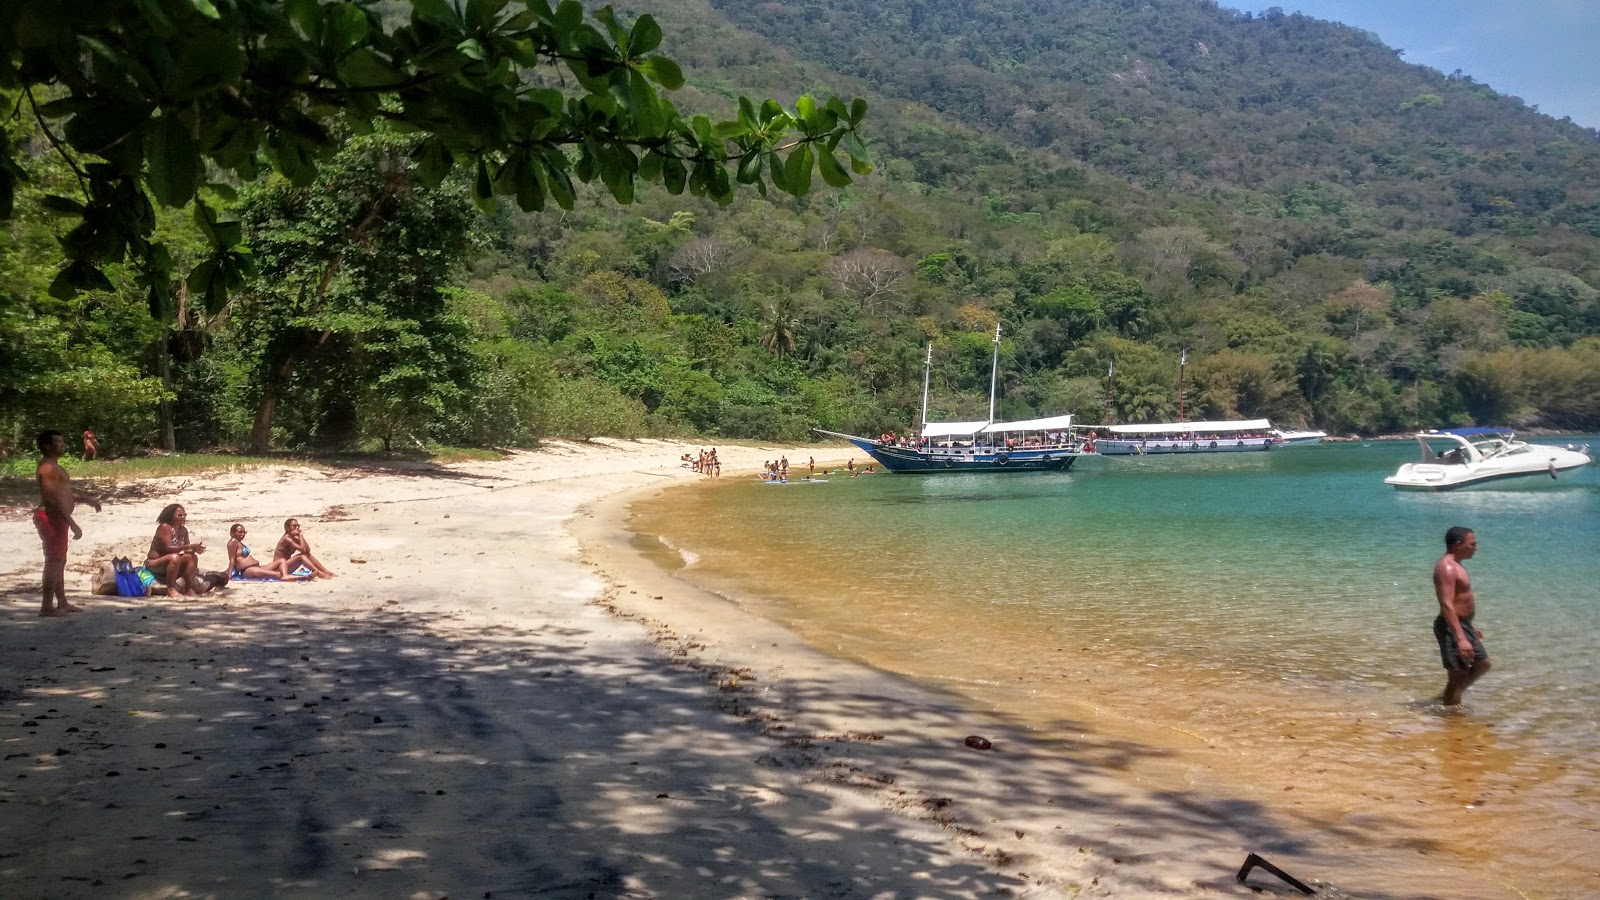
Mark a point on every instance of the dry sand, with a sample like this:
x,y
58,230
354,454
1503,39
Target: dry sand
x,y
499,697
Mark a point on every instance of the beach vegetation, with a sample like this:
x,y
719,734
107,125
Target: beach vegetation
x,y
1333,234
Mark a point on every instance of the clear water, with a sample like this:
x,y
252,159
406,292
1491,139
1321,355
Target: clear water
x,y
1242,624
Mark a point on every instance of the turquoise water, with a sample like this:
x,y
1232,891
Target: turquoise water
x,y
1238,607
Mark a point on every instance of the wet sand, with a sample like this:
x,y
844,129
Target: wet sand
x,y
501,696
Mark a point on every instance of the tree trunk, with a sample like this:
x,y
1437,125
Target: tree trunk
x,y
169,434
261,431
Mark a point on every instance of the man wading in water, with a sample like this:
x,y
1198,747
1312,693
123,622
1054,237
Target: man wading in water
x,y
1460,644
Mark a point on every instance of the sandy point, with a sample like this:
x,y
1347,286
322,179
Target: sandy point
x,y
500,697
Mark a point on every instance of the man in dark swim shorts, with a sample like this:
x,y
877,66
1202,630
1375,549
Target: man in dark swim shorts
x,y
1450,652
1460,642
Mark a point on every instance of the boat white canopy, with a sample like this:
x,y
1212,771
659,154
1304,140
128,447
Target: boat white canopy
x,y
1193,427
952,429
1049,423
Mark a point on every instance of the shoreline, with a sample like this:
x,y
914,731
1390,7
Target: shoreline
x,y
479,705
715,631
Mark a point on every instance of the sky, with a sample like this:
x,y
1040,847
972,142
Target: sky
x,y
1545,51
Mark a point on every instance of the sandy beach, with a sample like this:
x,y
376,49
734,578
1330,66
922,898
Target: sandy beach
x,y
499,696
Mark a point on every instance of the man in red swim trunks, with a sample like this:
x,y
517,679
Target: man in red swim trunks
x,y
53,518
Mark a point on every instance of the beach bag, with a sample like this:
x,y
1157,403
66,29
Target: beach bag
x,y
128,582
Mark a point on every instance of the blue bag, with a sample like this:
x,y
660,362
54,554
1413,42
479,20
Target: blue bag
x,y
128,582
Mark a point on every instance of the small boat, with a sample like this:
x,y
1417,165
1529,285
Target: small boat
x,y
1470,457
1299,438
1187,437
1049,443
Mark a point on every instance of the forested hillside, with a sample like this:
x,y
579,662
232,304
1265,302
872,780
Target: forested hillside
x,y
1338,238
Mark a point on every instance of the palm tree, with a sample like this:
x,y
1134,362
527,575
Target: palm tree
x,y
781,324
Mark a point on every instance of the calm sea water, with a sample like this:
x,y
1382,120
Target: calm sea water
x,y
1250,625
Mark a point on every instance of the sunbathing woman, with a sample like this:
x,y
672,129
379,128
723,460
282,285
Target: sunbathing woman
x,y
243,565
172,558
294,549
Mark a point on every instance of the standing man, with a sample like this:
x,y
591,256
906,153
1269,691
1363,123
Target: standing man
x,y
53,518
1460,643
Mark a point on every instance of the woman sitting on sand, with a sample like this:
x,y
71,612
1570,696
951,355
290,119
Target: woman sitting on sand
x,y
294,549
243,565
172,558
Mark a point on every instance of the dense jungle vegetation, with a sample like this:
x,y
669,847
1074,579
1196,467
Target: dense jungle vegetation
x,y
1337,237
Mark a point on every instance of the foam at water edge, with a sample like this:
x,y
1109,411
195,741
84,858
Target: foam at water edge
x,y
689,557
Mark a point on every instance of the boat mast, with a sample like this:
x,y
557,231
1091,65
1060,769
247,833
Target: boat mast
x,y
927,372
1183,359
1111,372
994,370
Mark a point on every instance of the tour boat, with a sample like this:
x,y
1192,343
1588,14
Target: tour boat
x,y
1048,443
1471,457
1186,437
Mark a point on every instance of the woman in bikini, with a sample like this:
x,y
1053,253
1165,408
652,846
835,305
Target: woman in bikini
x,y
172,558
243,565
294,549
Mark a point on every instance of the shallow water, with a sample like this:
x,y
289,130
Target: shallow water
x,y
1254,625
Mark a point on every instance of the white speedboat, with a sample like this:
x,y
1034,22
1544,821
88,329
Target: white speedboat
x,y
1471,457
1297,438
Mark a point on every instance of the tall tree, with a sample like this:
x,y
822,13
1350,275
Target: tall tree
x,y
151,100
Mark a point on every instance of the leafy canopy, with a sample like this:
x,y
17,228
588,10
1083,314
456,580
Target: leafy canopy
x,y
159,99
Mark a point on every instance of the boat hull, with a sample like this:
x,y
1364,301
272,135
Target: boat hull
x,y
1154,448
940,461
1422,478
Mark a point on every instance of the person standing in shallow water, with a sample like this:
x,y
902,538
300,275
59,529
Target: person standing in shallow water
x,y
1460,642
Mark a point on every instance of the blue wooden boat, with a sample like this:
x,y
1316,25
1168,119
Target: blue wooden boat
x,y
1049,444
981,450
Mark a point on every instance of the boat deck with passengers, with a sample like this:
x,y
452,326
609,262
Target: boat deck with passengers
x,y
1187,437
1048,443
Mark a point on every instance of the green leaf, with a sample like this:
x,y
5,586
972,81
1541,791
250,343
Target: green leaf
x,y
471,48
662,71
673,175
860,158
64,205
750,168
98,127
439,11
363,68
858,111
833,174
647,117
204,8
780,177
530,193
798,170
80,275
646,36
482,13
174,159
608,18
483,188
433,162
